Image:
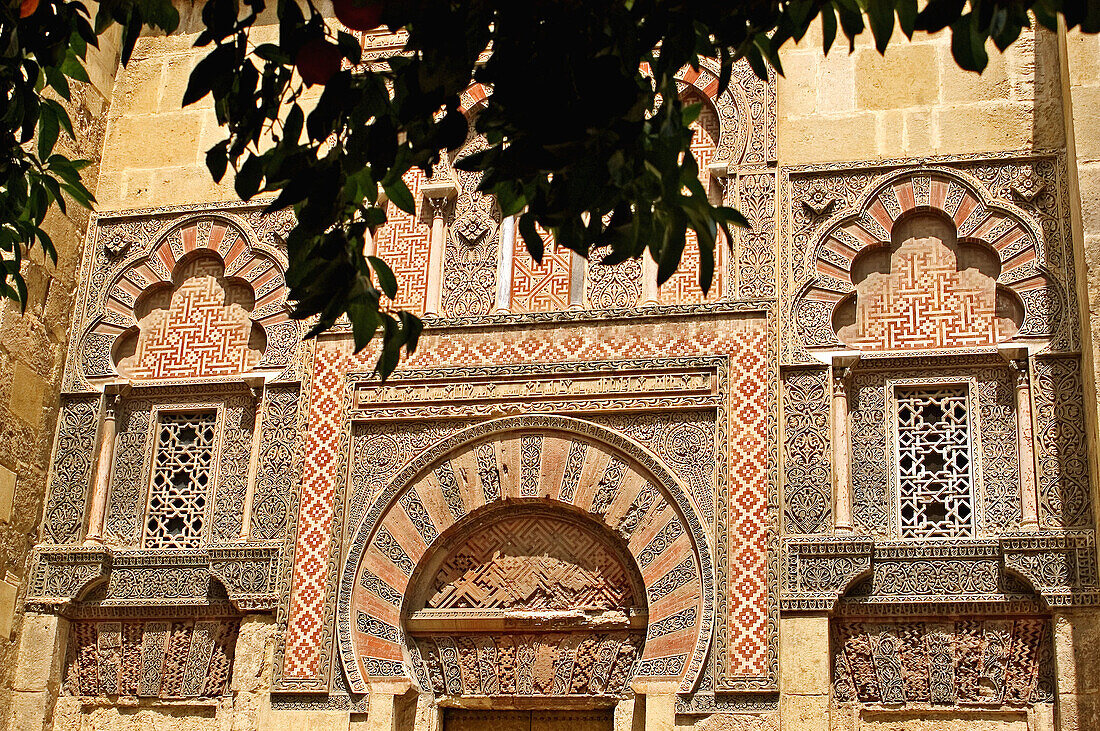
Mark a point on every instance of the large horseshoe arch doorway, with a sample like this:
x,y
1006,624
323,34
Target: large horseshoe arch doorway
x,y
535,562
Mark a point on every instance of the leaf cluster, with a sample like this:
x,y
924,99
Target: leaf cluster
x,y
586,134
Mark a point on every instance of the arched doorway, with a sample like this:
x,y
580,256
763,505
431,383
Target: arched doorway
x,y
444,562
530,608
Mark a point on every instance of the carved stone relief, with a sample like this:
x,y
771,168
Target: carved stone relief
x,y
599,664
685,442
72,469
1060,444
272,506
613,287
1007,661
807,470
472,246
243,575
158,658
225,485
892,577
130,475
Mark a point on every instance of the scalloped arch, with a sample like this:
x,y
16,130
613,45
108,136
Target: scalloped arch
x,y
221,235
731,107
576,465
1007,231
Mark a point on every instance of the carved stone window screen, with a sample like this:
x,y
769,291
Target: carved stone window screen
x,y
934,469
183,478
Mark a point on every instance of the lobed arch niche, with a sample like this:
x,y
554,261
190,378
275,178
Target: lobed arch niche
x,y
926,261
203,301
609,549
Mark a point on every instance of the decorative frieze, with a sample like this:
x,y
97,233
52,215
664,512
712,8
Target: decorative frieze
x,y
1060,569
166,577
1007,661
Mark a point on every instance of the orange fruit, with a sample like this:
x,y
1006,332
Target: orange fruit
x,y
318,61
361,15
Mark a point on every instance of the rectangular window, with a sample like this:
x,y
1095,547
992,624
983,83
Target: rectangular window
x,y
183,473
934,463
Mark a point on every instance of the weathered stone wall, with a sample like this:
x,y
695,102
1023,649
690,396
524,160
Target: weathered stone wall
x,y
844,108
32,354
915,101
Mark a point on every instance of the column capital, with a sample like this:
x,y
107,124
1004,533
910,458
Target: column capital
x,y
842,378
1022,372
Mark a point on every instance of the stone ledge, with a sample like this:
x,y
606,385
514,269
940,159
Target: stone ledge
x,y
1059,568
156,577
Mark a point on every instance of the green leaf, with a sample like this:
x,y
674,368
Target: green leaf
x,y
249,177
386,280
968,44
207,72
48,129
217,160
880,14
536,247
57,82
74,69
907,16
828,28
398,192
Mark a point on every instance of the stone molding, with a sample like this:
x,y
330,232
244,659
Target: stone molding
x,y
155,578
1058,567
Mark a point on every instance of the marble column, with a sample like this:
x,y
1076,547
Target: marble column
x,y
842,483
1026,446
104,461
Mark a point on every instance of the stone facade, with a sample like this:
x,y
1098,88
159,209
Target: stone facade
x,y
851,488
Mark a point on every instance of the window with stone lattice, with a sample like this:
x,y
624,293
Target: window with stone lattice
x,y
934,462
184,463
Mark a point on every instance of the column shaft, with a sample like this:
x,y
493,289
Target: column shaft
x,y
1029,503
841,456
104,459
434,295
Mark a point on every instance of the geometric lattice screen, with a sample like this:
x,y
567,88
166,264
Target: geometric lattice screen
x,y
935,483
183,469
